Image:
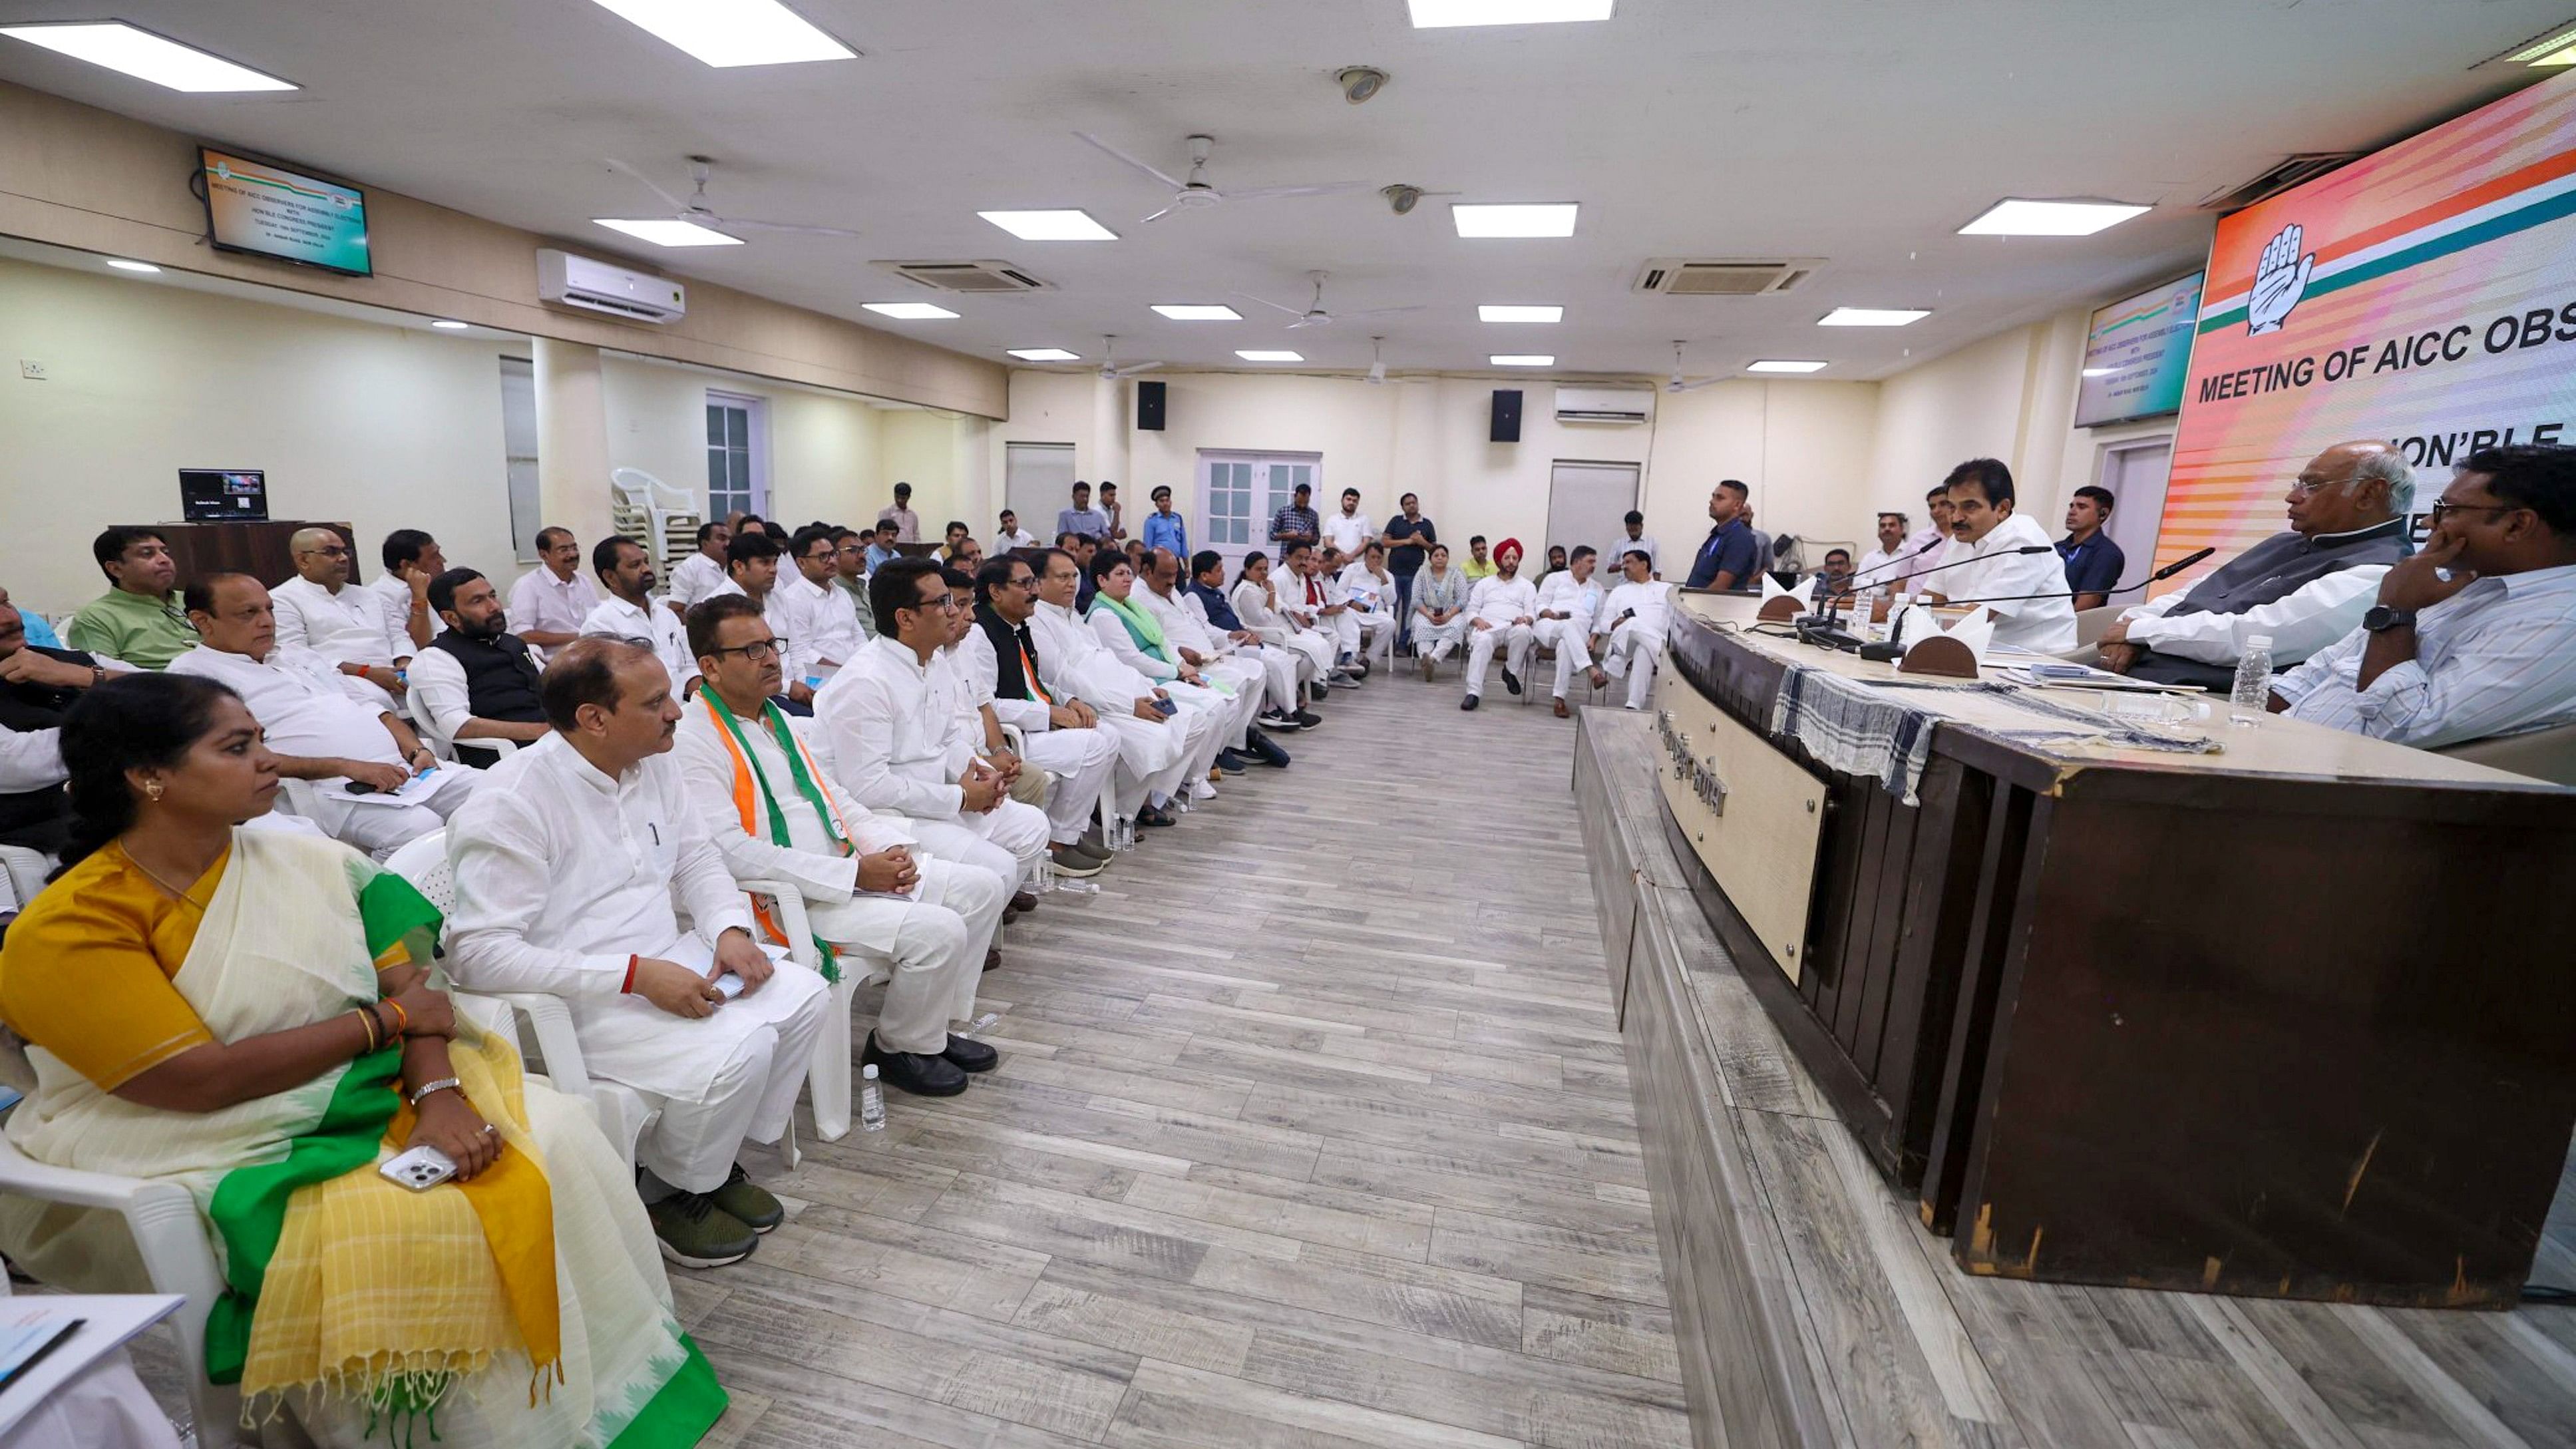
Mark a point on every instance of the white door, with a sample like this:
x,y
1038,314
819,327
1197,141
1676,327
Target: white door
x,y
1037,484
1587,503
2135,474
1238,493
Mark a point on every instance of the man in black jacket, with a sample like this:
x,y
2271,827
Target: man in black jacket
x,y
477,680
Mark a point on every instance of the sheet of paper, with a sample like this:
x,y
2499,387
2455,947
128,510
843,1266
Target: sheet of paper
x,y
414,790
108,1321
1771,587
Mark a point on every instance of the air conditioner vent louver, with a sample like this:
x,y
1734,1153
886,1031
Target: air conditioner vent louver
x,y
1723,277
981,276
2292,170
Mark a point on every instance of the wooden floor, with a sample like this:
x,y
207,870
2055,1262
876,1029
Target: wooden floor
x,y
1880,1329
1311,1129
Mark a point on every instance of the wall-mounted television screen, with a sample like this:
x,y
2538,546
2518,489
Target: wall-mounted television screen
x,y
223,495
2136,354
267,210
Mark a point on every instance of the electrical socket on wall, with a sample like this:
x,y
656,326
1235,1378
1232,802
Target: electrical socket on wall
x,y
31,369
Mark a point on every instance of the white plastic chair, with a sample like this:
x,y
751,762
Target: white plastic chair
x,y
827,1081
445,748
623,1112
24,871
177,1257
660,508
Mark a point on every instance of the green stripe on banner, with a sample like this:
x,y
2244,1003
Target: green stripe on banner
x,y
680,1412
249,1207
2539,213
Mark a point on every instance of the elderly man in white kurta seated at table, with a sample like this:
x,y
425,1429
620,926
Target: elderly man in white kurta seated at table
x,y
1158,752
887,728
870,895
376,785
1629,626
1140,638
565,872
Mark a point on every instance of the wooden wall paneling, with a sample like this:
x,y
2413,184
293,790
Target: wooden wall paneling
x,y
1932,930
1972,1021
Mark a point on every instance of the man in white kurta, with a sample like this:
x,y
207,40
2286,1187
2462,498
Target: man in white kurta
x,y
1135,637
888,728
1566,602
329,727
1060,736
565,873
1368,591
411,558
869,895
1206,602
695,577
348,627
1256,603
823,630
1234,672
1988,531
548,602
1501,613
751,570
1156,752
625,573
1629,628
1307,598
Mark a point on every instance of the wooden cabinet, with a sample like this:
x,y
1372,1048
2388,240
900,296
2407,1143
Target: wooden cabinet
x,y
257,549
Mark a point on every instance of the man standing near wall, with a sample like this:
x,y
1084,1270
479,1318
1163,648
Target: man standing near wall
x,y
1082,518
1409,537
1165,529
1295,522
1010,535
1729,557
2093,561
907,524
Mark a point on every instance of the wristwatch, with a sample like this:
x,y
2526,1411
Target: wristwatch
x,y
2382,618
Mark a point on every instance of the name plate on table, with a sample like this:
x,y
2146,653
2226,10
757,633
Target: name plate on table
x,y
1752,814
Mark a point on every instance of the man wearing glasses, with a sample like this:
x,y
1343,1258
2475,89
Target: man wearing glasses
x,y
2304,589
1062,736
890,733
825,631
317,610
2473,637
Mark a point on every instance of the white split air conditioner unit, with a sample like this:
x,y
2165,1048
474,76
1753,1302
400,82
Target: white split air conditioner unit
x,y
596,286
1619,406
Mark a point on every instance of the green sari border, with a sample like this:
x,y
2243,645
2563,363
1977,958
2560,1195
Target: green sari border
x,y
680,1412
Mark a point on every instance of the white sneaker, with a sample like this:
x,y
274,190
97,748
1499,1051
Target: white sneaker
x,y
1202,790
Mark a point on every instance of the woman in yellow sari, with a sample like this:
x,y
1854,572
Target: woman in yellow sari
x,y
253,1014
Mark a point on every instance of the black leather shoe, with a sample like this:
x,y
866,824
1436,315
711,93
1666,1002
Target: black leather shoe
x,y
1024,902
923,1076
1149,816
1511,681
970,1056
1468,703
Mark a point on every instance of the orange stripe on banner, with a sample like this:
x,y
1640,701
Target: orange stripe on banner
x,y
2536,174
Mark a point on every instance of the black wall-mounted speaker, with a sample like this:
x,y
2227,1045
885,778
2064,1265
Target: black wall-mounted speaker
x,y
1149,407
1507,415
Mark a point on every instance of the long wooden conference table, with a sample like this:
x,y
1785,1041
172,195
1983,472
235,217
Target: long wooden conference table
x,y
2293,1018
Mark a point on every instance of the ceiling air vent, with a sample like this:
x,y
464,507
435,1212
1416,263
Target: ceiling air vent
x,y
2291,170
987,276
1727,277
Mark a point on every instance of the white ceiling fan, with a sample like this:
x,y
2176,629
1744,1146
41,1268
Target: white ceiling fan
x,y
697,211
1197,193
1110,371
1678,384
1314,315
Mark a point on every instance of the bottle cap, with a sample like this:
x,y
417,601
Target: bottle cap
x,y
868,1073
2258,641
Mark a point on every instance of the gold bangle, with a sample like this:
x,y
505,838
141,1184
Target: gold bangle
x,y
368,1019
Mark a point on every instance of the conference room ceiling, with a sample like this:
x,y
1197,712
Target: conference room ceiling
x,y
1863,132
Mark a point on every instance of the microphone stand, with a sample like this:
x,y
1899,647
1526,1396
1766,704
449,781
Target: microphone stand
x,y
1826,629
2159,576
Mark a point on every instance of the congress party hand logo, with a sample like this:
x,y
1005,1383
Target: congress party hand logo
x,y
2280,280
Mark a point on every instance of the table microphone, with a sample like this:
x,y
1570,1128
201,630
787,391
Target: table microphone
x,y
1826,628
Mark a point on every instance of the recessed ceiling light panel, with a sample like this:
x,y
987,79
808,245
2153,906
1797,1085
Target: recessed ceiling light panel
x,y
1780,365
1258,354
727,33
1480,219
1872,317
909,311
2015,217
1442,14
145,56
445,325
124,265
668,231
1050,225
1198,311
1045,354
1491,312
1522,359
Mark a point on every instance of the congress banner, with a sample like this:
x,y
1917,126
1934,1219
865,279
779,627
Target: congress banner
x,y
2425,295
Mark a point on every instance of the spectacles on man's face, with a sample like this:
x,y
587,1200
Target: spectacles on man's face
x,y
2443,508
944,601
2307,483
758,651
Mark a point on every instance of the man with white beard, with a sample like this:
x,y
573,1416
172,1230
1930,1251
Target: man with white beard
x,y
1161,747
1500,615
1629,626
1566,602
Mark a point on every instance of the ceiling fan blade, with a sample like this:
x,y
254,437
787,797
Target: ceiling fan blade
x,y
1695,386
1379,312
1256,193
1134,368
675,203
1170,181
1266,302
1157,216
1308,321
788,226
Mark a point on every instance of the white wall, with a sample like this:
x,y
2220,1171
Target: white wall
x,y
1803,446
383,427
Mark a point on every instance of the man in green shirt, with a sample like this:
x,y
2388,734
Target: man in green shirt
x,y
138,620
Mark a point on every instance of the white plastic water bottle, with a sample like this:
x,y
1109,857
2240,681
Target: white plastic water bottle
x,y
1865,621
2251,699
871,1100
